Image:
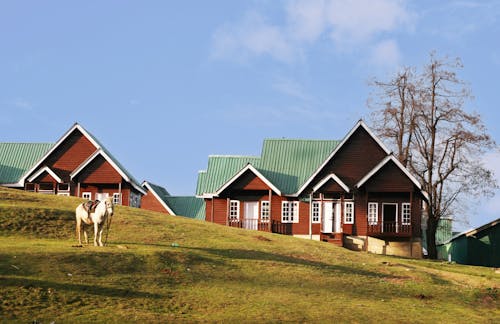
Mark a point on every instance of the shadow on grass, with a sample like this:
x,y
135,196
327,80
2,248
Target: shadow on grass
x,y
6,282
242,254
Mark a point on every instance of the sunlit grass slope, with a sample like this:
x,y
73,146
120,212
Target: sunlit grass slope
x,y
158,268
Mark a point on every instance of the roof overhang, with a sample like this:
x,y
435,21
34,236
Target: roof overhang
x,y
359,124
102,153
37,165
251,168
41,171
333,177
157,196
382,163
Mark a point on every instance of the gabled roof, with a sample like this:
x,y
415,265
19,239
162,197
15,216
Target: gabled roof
x,y
220,169
49,171
187,206
475,231
160,194
100,149
17,158
333,177
359,124
254,171
123,173
382,163
289,162
284,163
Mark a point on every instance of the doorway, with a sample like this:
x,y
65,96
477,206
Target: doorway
x,y
390,218
251,216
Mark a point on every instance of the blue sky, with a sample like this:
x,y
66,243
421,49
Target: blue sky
x,y
163,84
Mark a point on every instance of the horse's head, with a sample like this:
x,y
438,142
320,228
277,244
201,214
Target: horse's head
x,y
109,206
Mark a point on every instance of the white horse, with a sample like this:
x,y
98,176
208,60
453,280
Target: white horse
x,y
103,210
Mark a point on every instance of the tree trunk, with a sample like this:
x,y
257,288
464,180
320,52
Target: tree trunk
x,y
431,237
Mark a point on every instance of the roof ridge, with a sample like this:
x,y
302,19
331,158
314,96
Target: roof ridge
x,y
234,156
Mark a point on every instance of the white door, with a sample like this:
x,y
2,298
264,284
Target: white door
x,y
251,215
327,217
101,196
337,216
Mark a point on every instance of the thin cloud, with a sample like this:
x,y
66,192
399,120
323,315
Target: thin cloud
x,y
346,24
386,54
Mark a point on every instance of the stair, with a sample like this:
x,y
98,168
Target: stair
x,y
334,238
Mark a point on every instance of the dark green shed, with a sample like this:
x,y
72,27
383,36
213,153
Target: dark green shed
x,y
480,246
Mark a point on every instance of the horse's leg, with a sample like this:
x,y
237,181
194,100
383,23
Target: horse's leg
x,y
85,235
96,229
78,229
101,228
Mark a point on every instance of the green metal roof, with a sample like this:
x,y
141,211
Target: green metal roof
x,y
187,206
287,163
17,158
220,169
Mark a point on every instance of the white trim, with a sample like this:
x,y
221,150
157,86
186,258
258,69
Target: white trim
x,y
402,213
155,194
237,215
396,215
293,211
383,163
56,145
110,161
359,124
241,172
49,171
351,203
317,204
375,220
264,203
331,176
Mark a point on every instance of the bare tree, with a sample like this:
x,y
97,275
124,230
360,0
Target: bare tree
x,y
435,137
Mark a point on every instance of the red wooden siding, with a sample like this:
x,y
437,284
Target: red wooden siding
x,y
150,202
248,181
75,149
358,156
389,179
99,171
45,177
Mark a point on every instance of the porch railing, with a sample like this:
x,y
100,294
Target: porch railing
x,y
252,224
389,229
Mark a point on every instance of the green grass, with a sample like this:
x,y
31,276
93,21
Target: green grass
x,y
215,274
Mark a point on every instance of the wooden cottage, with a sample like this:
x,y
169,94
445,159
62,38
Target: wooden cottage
x,y
353,193
157,198
76,165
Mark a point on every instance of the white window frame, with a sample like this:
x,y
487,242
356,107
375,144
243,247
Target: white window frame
x,y
87,195
234,211
372,213
349,212
406,213
289,211
265,209
316,212
117,198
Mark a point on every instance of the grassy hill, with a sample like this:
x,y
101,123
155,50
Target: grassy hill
x,y
158,268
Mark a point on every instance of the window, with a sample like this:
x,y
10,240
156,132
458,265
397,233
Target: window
x,y
117,199
234,210
87,195
264,211
406,214
349,212
316,211
289,211
372,213
134,201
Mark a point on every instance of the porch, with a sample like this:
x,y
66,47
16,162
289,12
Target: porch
x,y
389,229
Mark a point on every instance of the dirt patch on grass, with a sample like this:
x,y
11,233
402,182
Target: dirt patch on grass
x,y
262,238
